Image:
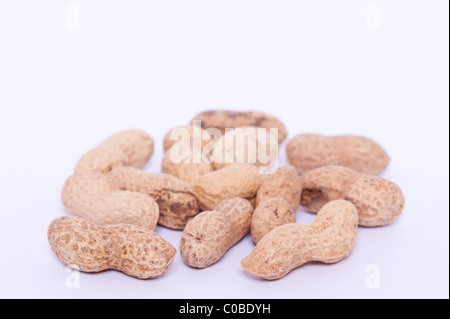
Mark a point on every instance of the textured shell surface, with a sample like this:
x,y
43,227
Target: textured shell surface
x,y
329,239
310,151
130,249
270,214
99,198
379,201
235,180
175,198
208,236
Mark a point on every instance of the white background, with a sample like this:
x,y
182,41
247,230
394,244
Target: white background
x,y
331,67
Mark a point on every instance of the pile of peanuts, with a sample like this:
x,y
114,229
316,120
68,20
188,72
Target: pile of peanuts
x,y
118,206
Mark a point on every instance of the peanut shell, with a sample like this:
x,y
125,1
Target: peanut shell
x,y
270,214
92,248
309,151
236,180
329,239
379,201
208,236
175,198
283,183
99,198
126,148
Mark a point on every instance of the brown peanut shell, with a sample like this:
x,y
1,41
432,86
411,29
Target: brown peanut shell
x,y
88,247
99,198
175,198
379,201
270,214
283,183
329,239
126,148
235,180
208,236
310,151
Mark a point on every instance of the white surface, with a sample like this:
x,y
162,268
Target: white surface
x,y
320,67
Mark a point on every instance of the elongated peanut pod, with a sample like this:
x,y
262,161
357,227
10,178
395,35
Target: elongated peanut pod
x,y
379,201
309,151
329,239
99,198
176,200
126,148
208,236
92,248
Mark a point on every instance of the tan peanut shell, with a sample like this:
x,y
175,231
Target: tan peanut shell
x,y
235,180
244,145
184,167
283,183
379,201
99,198
230,119
270,214
208,236
309,151
176,200
126,148
329,239
92,248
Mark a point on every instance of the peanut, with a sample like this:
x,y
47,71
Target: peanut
x,y
91,248
270,214
208,236
379,201
99,198
127,148
284,183
229,119
236,180
310,151
176,200
329,239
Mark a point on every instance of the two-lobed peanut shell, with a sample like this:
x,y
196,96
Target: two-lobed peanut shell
x,y
130,249
379,201
329,239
